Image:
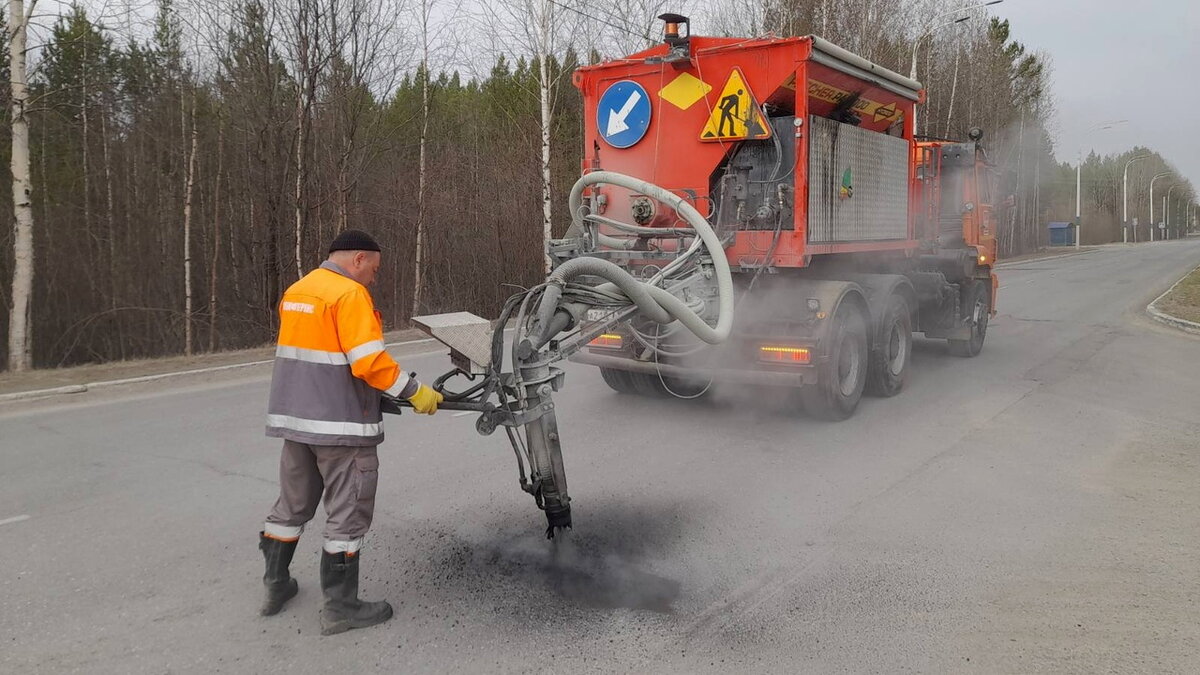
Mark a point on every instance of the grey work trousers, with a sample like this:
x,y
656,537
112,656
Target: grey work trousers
x,y
347,476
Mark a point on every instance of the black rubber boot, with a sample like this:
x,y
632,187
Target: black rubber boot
x,y
281,587
343,610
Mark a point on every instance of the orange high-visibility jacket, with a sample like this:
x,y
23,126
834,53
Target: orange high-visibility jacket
x,y
330,364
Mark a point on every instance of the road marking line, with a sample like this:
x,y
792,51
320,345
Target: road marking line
x,y
463,413
14,519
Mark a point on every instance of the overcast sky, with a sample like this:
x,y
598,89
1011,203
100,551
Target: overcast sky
x,y
1120,59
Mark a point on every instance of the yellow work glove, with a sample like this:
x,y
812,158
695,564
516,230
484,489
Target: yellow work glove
x,y
426,400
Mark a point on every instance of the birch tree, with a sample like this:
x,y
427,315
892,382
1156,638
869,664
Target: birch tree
x,y
434,19
309,61
542,28
425,10
20,343
187,232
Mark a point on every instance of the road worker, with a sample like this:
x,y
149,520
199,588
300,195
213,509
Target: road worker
x,y
330,369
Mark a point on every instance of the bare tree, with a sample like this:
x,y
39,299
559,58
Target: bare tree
x,y
187,232
213,296
309,61
20,344
433,45
426,8
627,26
543,29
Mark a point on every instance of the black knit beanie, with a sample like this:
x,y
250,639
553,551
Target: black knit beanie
x,y
353,240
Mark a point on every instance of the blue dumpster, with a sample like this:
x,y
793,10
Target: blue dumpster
x,y
1062,234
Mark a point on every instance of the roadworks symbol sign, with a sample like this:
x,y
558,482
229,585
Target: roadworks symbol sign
x,y
736,116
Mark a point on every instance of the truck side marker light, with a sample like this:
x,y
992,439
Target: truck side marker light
x,y
608,340
789,355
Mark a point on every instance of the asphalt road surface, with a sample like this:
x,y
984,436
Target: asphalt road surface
x,y
1034,509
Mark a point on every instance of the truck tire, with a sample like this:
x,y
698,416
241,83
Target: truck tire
x,y
647,384
980,308
889,362
619,381
626,382
843,375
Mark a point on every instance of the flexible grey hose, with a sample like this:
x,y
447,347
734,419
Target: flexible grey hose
x,y
656,303
615,243
639,293
673,232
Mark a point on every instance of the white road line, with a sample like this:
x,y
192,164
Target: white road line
x,y
457,414
14,519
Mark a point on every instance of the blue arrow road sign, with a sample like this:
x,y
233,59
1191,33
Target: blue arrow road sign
x,y
623,114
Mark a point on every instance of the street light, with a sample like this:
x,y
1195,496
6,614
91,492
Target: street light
x,y
1125,201
1167,215
1165,173
1099,126
912,71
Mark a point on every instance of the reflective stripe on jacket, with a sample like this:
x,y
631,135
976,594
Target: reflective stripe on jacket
x,y
330,364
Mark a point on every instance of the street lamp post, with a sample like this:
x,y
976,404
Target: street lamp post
x,y
912,72
1152,225
1125,201
916,46
1099,126
1167,213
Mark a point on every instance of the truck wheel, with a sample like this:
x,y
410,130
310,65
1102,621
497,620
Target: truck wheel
x,y
980,307
647,384
625,382
841,378
618,380
889,363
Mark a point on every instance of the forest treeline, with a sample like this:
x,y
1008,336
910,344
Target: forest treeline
x,y
179,184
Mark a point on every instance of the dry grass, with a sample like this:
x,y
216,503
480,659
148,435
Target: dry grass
x,y
1184,300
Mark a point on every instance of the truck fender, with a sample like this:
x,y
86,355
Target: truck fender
x,y
879,288
832,295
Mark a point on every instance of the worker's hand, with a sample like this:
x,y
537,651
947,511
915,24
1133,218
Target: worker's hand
x,y
426,400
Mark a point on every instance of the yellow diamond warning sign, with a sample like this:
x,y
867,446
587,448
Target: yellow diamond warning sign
x,y
736,116
684,91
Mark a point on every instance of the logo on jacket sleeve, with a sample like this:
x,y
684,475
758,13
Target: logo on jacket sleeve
x,y
303,307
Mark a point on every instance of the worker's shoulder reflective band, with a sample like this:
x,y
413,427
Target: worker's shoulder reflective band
x,y
311,355
340,546
365,349
324,427
283,532
401,382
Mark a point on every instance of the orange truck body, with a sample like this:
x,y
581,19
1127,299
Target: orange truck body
x,y
804,158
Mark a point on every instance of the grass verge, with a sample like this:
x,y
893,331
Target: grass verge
x,y
1183,301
